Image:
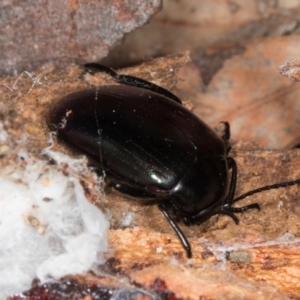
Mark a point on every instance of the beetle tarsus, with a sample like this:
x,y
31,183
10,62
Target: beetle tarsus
x,y
228,212
163,207
244,208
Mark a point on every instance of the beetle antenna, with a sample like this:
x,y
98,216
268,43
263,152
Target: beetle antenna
x,y
94,68
267,187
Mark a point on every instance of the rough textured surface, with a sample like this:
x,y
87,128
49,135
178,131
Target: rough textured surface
x,y
63,32
259,250
48,225
241,83
187,283
191,25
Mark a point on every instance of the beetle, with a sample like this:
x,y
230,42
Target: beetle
x,y
148,145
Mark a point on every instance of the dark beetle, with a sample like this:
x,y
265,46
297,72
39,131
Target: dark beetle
x,y
148,145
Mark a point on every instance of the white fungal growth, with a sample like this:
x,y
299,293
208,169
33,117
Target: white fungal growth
x,y
127,219
48,228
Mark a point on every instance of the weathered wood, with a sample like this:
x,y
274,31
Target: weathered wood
x,y
259,249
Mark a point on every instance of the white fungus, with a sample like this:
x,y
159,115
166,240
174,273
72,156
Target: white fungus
x,y
48,228
127,218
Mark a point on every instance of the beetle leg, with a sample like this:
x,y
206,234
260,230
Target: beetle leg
x,y
163,207
227,212
223,130
226,207
94,68
226,136
230,197
244,208
138,82
131,80
226,130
